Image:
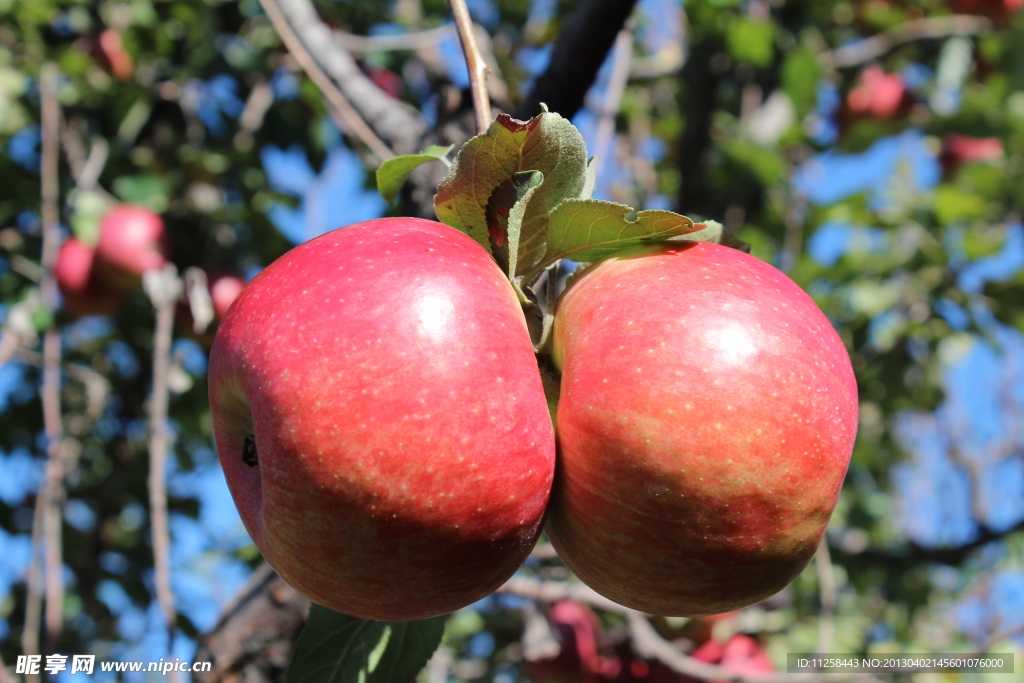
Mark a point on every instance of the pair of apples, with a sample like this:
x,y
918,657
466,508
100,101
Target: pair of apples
x,y
93,279
383,428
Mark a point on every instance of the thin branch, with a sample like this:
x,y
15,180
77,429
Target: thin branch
x,y
651,645
916,29
395,122
827,585
5,675
474,63
613,96
353,122
164,290
583,44
52,486
405,41
34,599
86,167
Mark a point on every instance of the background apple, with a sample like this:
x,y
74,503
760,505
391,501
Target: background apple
x,y
403,454
114,57
878,95
84,293
130,243
958,150
707,416
224,289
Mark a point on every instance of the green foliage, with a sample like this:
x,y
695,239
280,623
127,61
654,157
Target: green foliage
x,y
336,648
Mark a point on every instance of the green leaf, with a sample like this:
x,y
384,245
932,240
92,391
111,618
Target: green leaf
x,y
592,229
337,648
547,143
505,211
716,233
146,190
801,73
393,173
86,210
953,204
751,41
590,179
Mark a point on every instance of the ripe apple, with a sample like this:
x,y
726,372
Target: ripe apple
x,y
130,243
707,415
381,421
83,292
224,289
878,95
578,630
965,149
112,54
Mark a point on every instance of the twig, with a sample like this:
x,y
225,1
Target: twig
x,y
651,645
474,63
86,167
34,599
9,343
53,483
164,289
97,387
916,29
405,41
613,96
5,675
999,637
827,584
353,122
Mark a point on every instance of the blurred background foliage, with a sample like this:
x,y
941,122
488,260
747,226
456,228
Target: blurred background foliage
x,y
873,149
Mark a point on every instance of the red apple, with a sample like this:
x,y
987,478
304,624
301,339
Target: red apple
x,y
381,421
83,292
741,654
707,415
878,95
130,243
964,149
224,289
578,630
115,59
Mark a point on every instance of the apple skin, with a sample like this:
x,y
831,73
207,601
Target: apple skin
x,y
130,243
707,416
84,293
405,451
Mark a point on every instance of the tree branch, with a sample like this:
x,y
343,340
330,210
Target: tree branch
x,y
164,289
52,486
406,41
827,588
475,64
305,34
303,46
916,29
583,44
256,633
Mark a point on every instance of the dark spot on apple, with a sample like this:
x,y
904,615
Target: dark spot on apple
x,y
249,451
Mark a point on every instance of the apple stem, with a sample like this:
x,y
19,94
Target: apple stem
x,y
249,454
